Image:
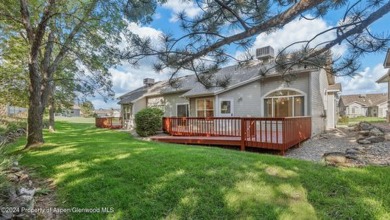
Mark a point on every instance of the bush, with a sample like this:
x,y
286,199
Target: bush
x,y
148,121
344,120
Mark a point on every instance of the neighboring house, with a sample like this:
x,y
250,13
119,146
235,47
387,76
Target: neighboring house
x,y
74,111
12,111
386,79
249,94
107,113
366,105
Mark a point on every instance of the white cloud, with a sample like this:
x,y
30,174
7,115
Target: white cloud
x,y
178,6
144,32
364,82
298,30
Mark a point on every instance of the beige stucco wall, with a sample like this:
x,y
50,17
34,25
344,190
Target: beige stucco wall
x,y
382,110
318,84
168,103
247,100
331,114
301,83
139,105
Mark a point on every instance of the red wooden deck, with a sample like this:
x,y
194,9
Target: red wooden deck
x,y
266,133
108,122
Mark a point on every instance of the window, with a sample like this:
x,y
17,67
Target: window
x,y
284,103
205,107
182,110
126,112
226,107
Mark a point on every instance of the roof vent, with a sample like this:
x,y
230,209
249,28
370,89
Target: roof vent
x,y
148,82
265,53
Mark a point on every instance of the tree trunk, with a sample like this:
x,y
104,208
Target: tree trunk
x,y
35,110
51,111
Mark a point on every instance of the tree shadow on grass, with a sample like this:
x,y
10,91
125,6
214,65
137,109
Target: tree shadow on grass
x,y
146,180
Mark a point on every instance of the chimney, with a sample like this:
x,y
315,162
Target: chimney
x,y
148,82
265,54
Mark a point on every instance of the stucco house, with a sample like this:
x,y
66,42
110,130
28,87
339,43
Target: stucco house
x,y
249,94
366,105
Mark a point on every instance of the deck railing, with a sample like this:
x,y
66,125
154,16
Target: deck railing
x,y
269,133
108,122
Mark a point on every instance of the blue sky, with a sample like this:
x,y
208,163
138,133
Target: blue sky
x,y
127,77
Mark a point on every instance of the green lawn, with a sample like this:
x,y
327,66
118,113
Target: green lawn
x,y
356,120
80,120
145,180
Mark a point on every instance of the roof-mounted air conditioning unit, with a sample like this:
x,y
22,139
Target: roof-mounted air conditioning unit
x,y
148,81
265,53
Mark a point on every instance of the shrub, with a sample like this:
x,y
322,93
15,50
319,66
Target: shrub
x,y
148,121
344,120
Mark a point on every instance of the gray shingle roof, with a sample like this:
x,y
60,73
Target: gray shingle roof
x,y
191,87
133,95
368,100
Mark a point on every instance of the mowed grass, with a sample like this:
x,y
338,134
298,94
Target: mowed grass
x,y
356,120
96,168
80,120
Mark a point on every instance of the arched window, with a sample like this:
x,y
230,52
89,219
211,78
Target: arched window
x,y
284,103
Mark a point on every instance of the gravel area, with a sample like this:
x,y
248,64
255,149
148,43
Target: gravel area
x,y
339,140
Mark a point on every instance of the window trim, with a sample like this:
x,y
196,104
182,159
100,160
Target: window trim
x,y
188,108
231,107
305,101
196,105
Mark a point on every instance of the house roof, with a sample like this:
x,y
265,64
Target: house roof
x,y
367,100
190,86
133,95
385,78
386,63
105,111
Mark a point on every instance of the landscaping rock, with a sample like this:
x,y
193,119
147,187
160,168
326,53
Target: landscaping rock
x,y
346,140
26,192
375,139
364,141
364,133
376,132
12,177
368,134
364,126
333,158
352,151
